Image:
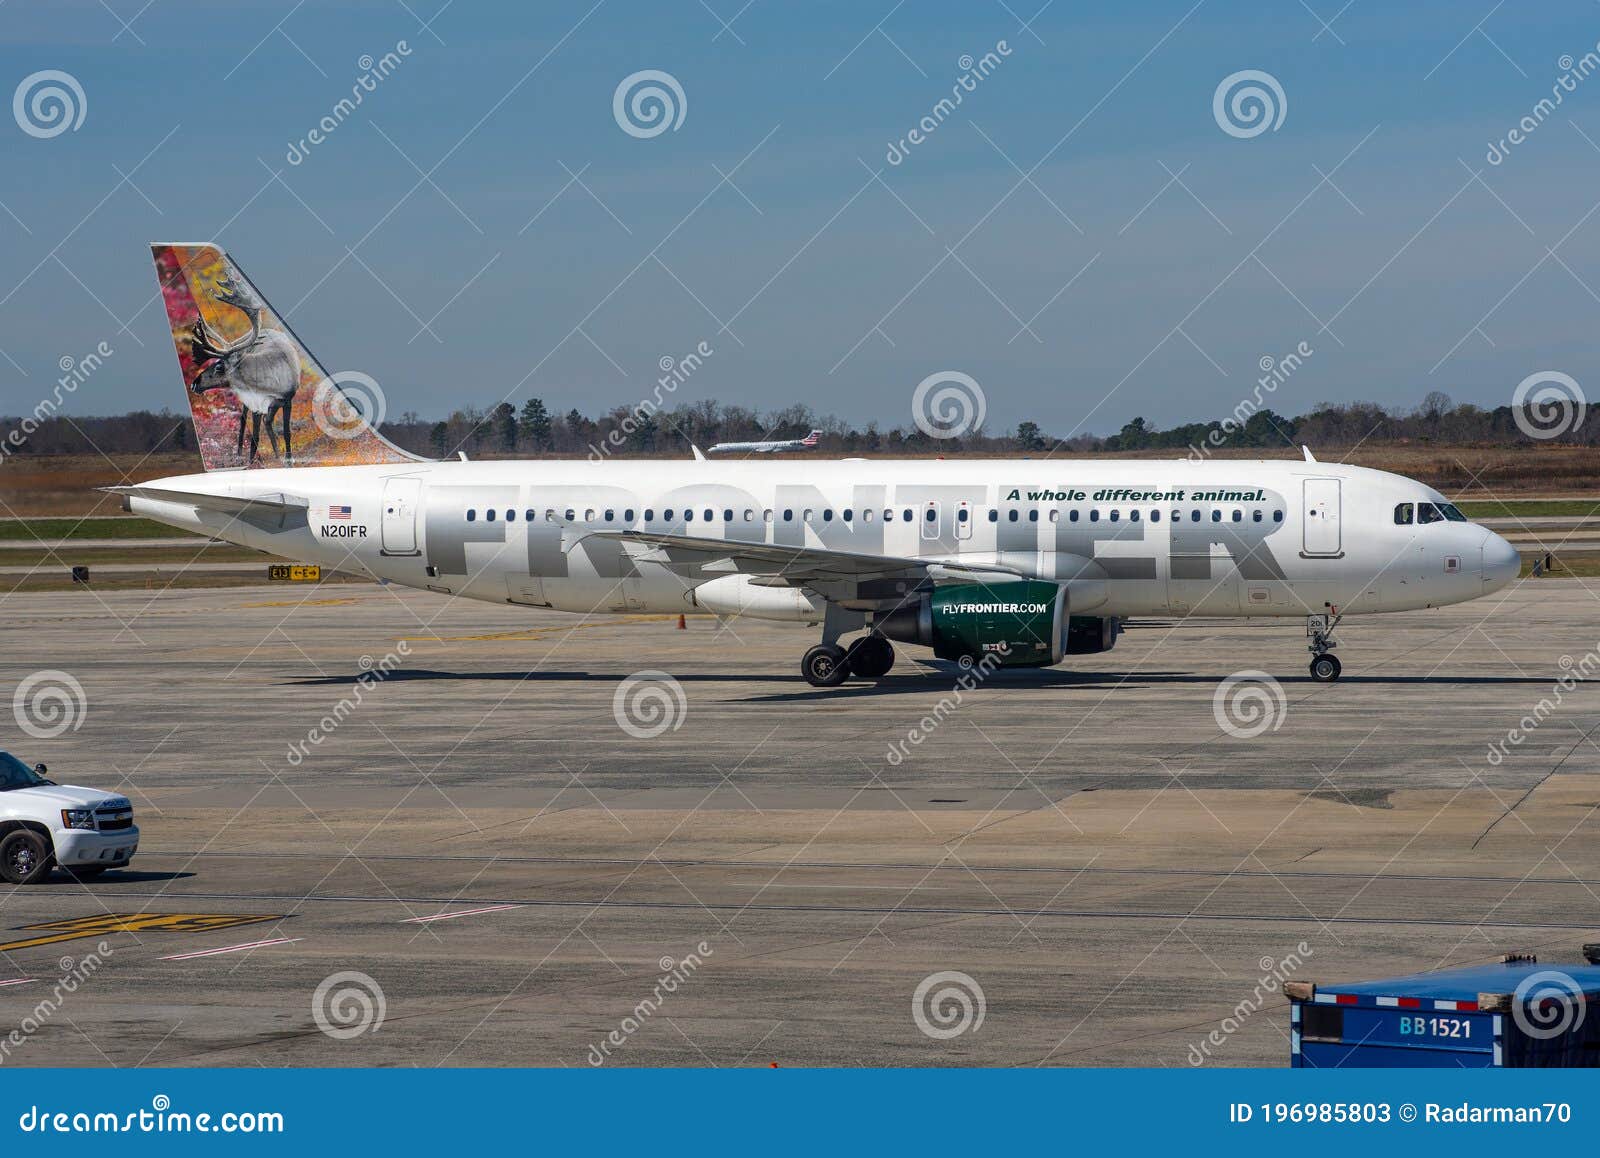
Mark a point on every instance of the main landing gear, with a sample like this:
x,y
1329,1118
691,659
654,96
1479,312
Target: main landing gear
x,y
828,665
1325,666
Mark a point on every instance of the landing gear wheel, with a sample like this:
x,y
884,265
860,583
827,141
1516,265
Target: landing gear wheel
x,y
1325,668
824,666
24,857
871,657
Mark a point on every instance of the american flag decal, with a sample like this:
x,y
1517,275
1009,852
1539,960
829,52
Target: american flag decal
x,y
338,512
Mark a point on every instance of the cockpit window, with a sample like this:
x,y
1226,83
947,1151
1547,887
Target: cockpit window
x,y
1403,514
1428,513
1453,513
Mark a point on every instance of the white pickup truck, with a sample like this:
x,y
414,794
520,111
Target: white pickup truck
x,y
45,825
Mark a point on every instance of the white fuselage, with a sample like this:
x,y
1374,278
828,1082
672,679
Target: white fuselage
x,y
1145,537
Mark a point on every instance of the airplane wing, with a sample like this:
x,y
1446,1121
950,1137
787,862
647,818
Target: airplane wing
x,y
834,574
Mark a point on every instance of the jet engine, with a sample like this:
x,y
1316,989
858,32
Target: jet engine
x,y
1015,624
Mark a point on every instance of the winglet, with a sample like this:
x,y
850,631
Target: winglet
x,y
698,457
1306,450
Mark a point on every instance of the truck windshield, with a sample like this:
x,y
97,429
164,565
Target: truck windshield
x,y
15,774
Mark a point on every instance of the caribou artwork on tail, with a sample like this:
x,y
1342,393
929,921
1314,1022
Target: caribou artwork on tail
x,y
262,369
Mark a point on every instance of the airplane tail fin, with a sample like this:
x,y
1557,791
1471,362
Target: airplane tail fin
x,y
258,396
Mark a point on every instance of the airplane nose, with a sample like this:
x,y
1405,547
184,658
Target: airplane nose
x,y
1501,563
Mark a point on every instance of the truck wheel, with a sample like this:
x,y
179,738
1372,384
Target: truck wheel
x,y
24,857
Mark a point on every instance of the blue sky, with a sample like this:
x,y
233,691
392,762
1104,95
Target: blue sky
x,y
1154,258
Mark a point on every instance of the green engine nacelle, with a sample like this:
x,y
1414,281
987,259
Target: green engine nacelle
x,y
1021,624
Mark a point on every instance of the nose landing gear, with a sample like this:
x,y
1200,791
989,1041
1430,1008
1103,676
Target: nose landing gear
x,y
1325,666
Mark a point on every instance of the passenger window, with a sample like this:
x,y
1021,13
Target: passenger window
x,y
1238,515
1255,516
1194,516
1055,516
610,515
932,514
888,515
1133,516
788,516
1072,515
1216,515
1155,516
527,516
1012,515
511,516
1402,514
1277,516
766,515
569,514
1094,515
908,514
847,514
961,515
708,514
1033,516
488,515
666,515
472,514
688,514
627,515
749,515
994,515
1116,515
827,514
727,515
649,515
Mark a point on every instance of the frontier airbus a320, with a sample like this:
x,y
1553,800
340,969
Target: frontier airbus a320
x,y
1017,562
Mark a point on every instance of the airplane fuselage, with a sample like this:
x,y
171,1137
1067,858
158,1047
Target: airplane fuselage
x,y
1128,537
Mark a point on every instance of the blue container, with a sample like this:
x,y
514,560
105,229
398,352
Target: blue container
x,y
1517,1013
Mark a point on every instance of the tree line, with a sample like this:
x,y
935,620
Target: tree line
x,y
532,429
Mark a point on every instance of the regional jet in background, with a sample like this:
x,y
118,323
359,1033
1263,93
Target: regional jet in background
x,y
809,442
1008,562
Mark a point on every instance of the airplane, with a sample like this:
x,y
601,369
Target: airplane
x,y
995,563
809,442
